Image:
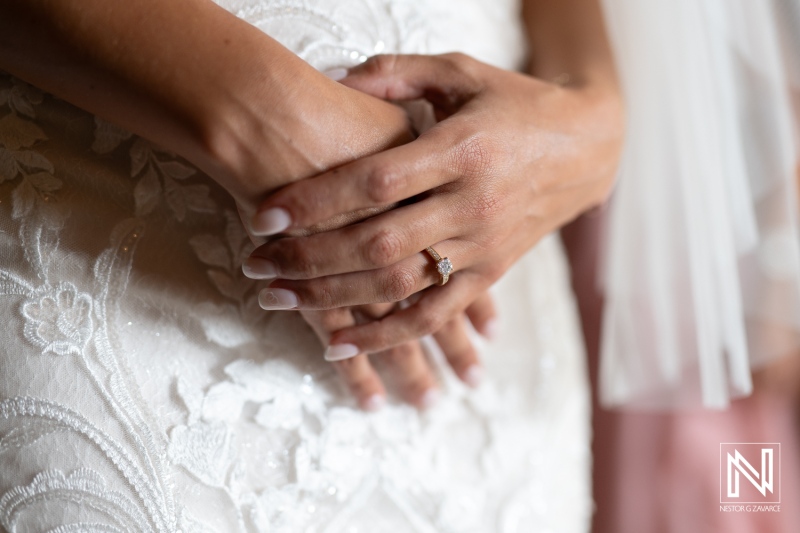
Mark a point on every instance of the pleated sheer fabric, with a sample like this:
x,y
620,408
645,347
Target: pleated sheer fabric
x,y
702,254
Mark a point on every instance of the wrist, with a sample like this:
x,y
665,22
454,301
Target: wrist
x,y
246,119
293,124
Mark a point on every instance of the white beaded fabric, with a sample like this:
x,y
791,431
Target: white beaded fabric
x,y
142,389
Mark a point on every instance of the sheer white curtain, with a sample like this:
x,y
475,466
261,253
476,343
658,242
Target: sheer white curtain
x,y
702,257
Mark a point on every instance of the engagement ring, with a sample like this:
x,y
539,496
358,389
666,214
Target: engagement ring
x,y
443,265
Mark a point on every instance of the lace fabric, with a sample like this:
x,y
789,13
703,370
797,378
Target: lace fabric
x,y
142,389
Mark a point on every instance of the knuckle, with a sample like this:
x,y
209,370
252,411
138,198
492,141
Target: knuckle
x,y
398,285
380,64
384,184
474,156
485,206
384,248
456,60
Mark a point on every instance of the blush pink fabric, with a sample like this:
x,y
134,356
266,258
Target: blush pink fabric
x,y
659,473
667,474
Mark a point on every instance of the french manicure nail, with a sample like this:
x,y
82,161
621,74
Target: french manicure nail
x,y
336,74
338,352
376,402
430,398
473,376
491,329
273,220
270,299
259,268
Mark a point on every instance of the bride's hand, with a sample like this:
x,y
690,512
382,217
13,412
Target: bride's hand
x,y
512,159
404,367
211,87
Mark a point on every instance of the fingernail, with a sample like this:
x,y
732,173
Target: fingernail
x,y
491,329
336,74
376,402
259,268
473,376
269,222
430,398
338,352
270,299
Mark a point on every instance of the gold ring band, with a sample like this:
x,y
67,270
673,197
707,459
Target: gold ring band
x,y
443,265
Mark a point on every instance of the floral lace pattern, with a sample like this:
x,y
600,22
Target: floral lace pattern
x,y
60,321
144,390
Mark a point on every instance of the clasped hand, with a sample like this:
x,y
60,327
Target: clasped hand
x,y
511,159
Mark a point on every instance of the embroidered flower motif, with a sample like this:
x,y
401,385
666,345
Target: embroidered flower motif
x,y
21,98
17,134
108,136
224,257
204,449
162,176
60,322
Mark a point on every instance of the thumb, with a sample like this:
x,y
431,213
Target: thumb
x,y
410,77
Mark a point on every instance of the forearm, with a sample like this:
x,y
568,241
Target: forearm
x,y
195,79
136,63
568,43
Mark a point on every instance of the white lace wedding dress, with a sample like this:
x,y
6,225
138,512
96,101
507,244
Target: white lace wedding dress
x,y
142,389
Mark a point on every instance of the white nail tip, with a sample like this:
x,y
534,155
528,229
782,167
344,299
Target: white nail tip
x,y
338,352
271,221
257,268
376,402
271,299
336,74
430,398
474,376
491,329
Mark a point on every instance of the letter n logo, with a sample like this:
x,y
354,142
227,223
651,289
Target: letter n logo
x,y
750,472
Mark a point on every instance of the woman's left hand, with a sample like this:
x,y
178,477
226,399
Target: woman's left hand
x,y
512,159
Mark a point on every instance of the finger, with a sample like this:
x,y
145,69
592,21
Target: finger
x,y
375,311
459,352
410,77
375,243
374,181
429,314
483,315
390,284
363,382
356,371
411,373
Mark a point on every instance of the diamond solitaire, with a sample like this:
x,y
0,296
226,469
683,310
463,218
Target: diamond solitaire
x,y
443,265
